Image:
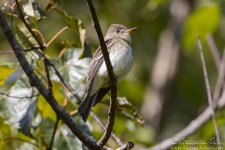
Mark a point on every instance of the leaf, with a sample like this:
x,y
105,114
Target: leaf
x,y
70,21
129,110
32,9
18,108
51,3
202,21
76,69
5,129
23,36
76,24
45,108
65,139
5,71
85,45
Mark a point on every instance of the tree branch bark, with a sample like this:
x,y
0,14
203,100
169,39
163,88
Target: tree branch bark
x,y
111,119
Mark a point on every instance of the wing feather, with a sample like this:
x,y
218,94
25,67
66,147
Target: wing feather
x,y
95,64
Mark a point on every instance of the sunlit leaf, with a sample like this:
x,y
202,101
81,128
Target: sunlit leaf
x,y
5,129
45,108
24,37
85,45
32,9
5,71
202,21
76,24
10,138
19,105
76,69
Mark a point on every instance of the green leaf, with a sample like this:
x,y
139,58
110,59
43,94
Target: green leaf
x,y
70,21
5,129
32,9
202,21
5,71
85,44
51,3
23,36
76,24
45,108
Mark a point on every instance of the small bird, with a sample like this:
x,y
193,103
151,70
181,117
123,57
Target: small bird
x,y
118,40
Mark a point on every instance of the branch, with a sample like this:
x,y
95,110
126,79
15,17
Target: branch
x,y
56,35
112,78
208,90
6,52
36,82
53,133
220,81
114,137
214,50
19,97
127,146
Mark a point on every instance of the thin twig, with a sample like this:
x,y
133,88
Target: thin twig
x,y
19,97
6,52
112,108
114,137
48,76
41,36
56,35
208,90
53,133
220,80
214,50
127,146
25,50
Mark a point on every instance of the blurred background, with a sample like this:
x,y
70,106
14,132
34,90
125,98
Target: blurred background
x,y
166,84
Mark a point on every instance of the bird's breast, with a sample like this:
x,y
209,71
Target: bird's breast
x,y
121,59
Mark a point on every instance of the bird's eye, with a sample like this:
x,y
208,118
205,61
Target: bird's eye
x,y
117,31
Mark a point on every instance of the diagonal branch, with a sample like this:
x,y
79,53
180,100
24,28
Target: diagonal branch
x,y
214,50
210,101
37,83
112,78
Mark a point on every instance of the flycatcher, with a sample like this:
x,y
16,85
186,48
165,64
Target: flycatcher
x,y
118,40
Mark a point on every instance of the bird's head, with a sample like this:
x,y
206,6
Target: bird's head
x,y
119,31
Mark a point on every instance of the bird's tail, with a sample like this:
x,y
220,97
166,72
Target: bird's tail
x,y
85,106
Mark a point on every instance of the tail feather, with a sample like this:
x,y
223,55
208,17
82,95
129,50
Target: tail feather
x,y
85,107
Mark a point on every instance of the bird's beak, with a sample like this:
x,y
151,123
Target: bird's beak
x,y
131,29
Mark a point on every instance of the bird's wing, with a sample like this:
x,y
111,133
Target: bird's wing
x,y
95,64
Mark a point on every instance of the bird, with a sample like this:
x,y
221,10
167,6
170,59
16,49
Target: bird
x,y
118,41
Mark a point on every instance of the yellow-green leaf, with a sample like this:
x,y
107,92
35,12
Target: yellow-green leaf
x,y
5,71
45,108
201,22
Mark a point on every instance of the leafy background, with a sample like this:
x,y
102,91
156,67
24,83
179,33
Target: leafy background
x,y
185,96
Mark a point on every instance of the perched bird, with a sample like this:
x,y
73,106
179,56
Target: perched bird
x,y
118,42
